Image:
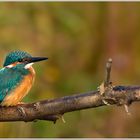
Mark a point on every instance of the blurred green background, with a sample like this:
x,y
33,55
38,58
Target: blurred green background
x,y
78,38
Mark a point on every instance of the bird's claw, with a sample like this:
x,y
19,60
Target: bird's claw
x,y
22,111
37,105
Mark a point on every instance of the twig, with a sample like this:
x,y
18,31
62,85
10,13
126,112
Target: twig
x,y
108,70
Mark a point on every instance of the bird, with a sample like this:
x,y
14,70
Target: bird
x,y
17,77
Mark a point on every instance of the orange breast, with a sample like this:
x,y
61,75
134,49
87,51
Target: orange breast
x,y
17,95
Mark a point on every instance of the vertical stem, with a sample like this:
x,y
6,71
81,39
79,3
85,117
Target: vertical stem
x,y
108,70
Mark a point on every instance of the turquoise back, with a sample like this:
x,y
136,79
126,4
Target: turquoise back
x,y
10,78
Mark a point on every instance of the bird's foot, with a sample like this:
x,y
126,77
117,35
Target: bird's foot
x,y
37,105
21,111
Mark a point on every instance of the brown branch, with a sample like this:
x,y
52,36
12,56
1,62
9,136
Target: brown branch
x,y
53,109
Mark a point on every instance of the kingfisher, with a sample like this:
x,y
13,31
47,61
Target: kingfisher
x,y
17,77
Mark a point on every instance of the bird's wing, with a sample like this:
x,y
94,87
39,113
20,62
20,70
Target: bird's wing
x,y
9,79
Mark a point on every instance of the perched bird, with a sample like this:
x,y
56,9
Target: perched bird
x,y
16,77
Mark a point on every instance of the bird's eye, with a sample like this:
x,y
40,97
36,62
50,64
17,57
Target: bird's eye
x,y
20,60
25,60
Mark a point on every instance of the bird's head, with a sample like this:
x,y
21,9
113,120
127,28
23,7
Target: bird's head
x,y
20,57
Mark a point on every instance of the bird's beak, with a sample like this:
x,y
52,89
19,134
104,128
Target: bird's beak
x,y
36,59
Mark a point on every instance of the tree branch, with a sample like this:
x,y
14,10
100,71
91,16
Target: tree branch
x,y
53,109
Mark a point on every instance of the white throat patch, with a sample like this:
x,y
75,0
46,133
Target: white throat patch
x,y
27,66
10,66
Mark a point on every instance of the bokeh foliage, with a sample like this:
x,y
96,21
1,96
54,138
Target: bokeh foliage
x,y
78,38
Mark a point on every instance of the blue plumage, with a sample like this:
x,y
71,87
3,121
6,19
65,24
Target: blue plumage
x,y
10,78
17,76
